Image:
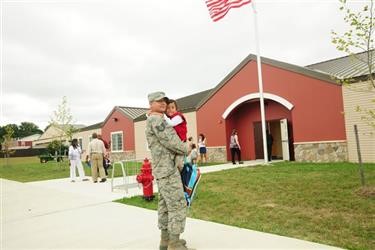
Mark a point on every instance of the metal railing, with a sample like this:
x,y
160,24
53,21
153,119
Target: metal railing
x,y
129,170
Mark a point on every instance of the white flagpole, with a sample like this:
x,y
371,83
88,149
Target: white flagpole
x,y
260,82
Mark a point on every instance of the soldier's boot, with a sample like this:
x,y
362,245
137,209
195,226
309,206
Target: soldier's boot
x,y
176,244
164,240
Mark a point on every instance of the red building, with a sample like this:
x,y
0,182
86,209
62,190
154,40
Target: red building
x,y
118,130
303,109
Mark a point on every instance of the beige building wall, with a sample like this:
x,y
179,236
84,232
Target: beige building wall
x,y
85,136
359,94
191,119
141,147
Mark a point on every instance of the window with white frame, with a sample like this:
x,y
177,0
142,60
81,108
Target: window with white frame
x,y
116,141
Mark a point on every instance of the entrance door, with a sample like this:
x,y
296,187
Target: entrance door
x,y
284,139
258,140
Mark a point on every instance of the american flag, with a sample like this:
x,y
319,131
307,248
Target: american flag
x,y
219,8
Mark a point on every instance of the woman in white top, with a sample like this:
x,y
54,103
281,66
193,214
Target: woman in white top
x,y
202,148
75,161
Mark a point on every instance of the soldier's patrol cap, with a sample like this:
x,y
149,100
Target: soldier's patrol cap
x,y
156,96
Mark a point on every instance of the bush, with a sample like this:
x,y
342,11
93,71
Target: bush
x,y
57,146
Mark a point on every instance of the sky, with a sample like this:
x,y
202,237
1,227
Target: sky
x,y
106,53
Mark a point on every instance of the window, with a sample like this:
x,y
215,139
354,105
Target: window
x,y
80,142
90,138
116,141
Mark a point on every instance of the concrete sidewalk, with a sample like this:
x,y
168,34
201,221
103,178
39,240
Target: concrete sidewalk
x,y
102,191
58,214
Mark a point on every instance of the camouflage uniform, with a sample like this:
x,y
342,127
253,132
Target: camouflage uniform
x,y
165,144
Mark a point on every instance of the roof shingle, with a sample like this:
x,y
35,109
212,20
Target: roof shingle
x,y
351,66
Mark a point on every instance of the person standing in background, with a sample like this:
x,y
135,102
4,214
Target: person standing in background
x,y
106,156
202,148
235,147
269,145
97,151
75,161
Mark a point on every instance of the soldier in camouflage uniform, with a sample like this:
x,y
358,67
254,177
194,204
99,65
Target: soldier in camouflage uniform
x,y
164,144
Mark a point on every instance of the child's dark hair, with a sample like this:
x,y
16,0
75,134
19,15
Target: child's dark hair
x,y
202,135
193,146
172,101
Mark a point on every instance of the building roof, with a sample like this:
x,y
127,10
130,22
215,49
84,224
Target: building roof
x,y
185,104
351,66
91,127
190,102
132,112
290,67
30,137
75,126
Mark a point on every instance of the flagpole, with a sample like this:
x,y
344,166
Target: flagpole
x,y
260,83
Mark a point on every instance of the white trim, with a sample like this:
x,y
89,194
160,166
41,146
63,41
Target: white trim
x,y
251,96
122,143
314,142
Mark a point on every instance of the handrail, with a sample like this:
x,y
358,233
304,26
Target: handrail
x,y
125,174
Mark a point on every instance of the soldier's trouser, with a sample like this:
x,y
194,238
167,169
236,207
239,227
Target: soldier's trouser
x,y
172,204
97,166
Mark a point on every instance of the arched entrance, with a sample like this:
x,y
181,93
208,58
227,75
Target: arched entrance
x,y
244,115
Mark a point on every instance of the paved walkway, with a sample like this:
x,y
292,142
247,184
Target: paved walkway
x,y
58,214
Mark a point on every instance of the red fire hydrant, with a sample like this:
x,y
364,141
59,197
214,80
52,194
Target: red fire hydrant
x,y
146,178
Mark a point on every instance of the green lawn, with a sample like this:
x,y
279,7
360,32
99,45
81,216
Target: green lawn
x,y
26,169
314,202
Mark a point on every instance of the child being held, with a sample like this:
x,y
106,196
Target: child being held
x,y
177,120
192,158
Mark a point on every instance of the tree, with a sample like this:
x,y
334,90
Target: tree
x,y
62,119
2,133
28,128
359,38
14,128
8,138
57,146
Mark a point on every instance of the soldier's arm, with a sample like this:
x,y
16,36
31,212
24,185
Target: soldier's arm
x,y
168,137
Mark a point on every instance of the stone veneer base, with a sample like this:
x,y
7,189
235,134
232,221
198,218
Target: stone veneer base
x,y
121,156
321,151
216,154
